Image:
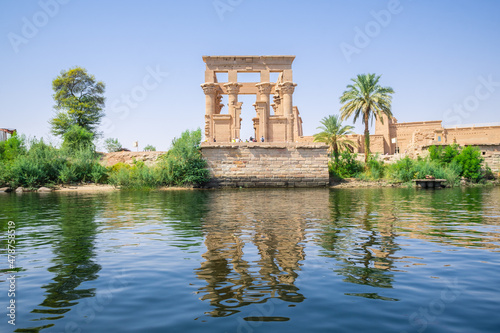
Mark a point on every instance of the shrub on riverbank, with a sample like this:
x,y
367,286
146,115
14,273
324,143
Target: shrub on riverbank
x,y
345,166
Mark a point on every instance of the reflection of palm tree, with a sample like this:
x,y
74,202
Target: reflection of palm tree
x,y
74,253
365,250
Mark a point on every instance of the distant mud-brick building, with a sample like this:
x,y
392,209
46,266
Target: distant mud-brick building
x,y
412,138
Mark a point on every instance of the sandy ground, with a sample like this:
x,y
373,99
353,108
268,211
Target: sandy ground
x,y
86,188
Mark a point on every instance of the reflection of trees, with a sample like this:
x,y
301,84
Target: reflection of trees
x,y
180,210
73,254
185,211
364,224
355,237
254,243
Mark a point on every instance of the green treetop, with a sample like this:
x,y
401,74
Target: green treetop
x,y
79,101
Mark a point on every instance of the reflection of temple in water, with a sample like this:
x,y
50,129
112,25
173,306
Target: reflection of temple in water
x,y
254,252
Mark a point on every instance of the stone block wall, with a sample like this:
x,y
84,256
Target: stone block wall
x,y
267,164
493,161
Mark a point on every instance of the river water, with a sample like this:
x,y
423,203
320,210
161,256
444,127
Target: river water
x,y
291,260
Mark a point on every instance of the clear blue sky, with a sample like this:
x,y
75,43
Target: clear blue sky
x,y
437,55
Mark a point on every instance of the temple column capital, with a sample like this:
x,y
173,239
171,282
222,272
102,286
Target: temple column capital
x,y
265,87
210,88
287,87
233,87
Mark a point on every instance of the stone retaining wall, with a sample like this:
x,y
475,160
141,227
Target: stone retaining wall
x,y
493,161
267,164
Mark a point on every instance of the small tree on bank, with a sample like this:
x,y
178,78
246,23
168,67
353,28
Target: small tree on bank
x,y
112,145
365,98
334,135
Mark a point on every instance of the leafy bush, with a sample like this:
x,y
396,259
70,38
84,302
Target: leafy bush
x,y
470,161
40,165
407,169
345,166
11,148
402,170
183,163
444,156
375,168
450,152
466,161
138,176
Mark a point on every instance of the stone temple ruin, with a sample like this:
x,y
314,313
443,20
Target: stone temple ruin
x,y
280,158
282,125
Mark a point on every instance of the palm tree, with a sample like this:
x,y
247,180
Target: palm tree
x,y
365,98
333,134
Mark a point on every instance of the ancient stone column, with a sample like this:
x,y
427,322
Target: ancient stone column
x,y
264,91
233,88
210,90
287,89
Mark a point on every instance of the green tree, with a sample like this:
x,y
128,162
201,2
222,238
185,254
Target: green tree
x,y
334,134
11,148
79,101
470,160
365,98
112,145
150,148
78,138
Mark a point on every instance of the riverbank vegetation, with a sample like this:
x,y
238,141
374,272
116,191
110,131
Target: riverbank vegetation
x,y
79,104
34,163
453,163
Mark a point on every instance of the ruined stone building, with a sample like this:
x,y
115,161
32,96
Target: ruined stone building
x,y
412,138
